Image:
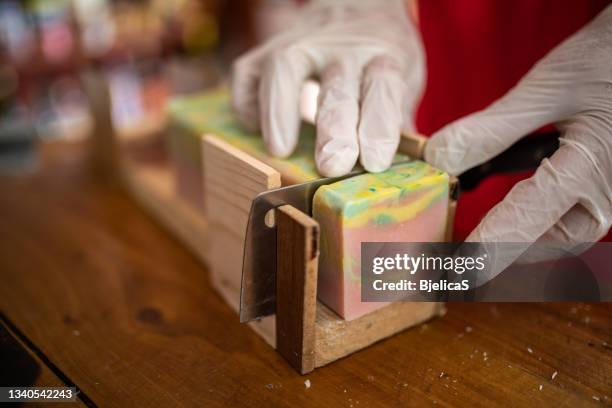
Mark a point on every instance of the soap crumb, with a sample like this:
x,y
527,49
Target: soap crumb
x,y
541,386
345,390
269,386
442,374
596,398
554,375
468,329
370,377
307,384
530,350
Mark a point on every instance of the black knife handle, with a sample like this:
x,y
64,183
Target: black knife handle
x,y
526,154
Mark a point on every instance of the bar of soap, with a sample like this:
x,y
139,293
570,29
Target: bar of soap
x,y
191,117
210,112
407,203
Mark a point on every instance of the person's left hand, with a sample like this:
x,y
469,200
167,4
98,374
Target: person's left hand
x,y
568,201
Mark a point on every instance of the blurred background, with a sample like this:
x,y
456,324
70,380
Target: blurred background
x,y
78,69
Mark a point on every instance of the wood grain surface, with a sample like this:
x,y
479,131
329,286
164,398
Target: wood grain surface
x,y
232,179
128,315
296,287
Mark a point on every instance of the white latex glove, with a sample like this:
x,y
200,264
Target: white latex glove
x,y
569,199
368,57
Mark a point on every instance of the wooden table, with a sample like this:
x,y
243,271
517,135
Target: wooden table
x,y
107,300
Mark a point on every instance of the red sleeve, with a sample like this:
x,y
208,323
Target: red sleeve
x,y
476,51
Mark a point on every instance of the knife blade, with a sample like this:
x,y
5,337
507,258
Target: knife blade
x,y
258,288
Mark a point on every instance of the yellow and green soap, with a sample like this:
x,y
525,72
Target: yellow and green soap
x,y
210,112
407,203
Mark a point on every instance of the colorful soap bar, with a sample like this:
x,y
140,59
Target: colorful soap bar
x,y
192,116
210,112
407,203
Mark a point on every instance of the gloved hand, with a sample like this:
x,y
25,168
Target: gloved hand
x,y
569,198
368,57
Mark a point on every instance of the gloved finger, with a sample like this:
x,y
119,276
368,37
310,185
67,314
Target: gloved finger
x,y
473,140
586,222
337,147
573,234
383,103
530,209
246,72
279,97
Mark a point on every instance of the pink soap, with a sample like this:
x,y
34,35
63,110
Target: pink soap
x,y
408,203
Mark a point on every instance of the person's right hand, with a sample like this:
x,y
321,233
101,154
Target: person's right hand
x,y
566,206
368,57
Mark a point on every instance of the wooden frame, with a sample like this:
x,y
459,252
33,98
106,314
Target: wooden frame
x,y
304,331
296,287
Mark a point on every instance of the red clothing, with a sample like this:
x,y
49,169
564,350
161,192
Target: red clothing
x,y
476,51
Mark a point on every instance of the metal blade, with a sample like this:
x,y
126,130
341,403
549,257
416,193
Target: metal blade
x,y
258,290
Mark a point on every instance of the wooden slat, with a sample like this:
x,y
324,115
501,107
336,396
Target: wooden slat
x,y
232,179
413,145
296,287
337,338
